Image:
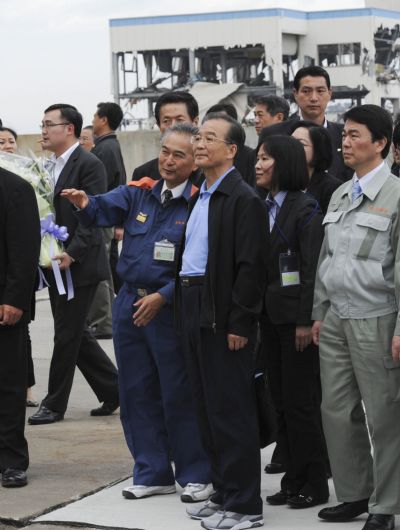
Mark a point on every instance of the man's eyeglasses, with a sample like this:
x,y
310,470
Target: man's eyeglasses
x,y
49,125
208,139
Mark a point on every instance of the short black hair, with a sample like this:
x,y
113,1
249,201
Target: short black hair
x,y
7,129
224,107
290,170
274,105
321,142
313,71
177,97
185,129
70,114
235,134
111,111
377,120
88,127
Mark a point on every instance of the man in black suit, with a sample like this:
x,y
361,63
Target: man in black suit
x,y
85,257
171,108
19,258
312,93
106,121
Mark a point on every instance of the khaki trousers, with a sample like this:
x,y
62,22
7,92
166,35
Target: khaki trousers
x,y
356,368
100,316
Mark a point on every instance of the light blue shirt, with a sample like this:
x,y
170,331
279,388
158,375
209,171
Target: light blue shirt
x,y
275,207
195,255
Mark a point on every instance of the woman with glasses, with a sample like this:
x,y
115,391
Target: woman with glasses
x,y
318,150
295,236
8,144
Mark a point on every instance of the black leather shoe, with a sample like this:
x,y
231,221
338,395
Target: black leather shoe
x,y
344,512
45,415
377,521
306,501
274,468
106,409
13,478
282,497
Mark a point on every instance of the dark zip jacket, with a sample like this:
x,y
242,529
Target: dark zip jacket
x,y
235,276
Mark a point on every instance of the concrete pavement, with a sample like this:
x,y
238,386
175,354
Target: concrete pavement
x,y
78,468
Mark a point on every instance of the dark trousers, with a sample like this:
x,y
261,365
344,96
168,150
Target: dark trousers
x,y
75,346
223,390
294,382
13,385
31,370
157,411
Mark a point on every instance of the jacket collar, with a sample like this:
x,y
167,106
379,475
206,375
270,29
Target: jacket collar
x,y
229,182
189,190
67,169
373,187
104,138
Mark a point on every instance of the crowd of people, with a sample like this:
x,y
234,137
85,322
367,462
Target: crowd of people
x,y
280,262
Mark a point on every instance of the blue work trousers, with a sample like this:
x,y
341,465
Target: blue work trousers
x,y
157,410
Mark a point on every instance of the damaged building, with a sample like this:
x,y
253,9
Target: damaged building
x,y
239,55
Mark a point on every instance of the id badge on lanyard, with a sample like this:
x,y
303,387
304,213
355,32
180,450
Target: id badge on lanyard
x,y
164,250
289,269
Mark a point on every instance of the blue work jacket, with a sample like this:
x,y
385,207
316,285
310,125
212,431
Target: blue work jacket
x,y
145,222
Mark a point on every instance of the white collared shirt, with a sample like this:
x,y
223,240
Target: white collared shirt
x,y
368,176
60,161
177,191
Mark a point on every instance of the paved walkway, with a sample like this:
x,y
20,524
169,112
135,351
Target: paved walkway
x,y
78,467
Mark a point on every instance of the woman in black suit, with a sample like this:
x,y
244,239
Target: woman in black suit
x,y
318,150
295,237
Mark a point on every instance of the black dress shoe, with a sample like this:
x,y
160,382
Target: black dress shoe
x,y
344,512
45,415
13,478
378,521
306,501
274,468
106,409
280,498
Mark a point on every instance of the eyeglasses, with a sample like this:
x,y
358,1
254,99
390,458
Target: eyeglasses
x,y
48,125
208,139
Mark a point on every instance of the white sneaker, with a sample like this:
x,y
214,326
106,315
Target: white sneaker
x,y
196,492
222,520
203,510
138,492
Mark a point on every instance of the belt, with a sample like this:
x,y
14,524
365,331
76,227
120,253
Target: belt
x,y
188,281
140,291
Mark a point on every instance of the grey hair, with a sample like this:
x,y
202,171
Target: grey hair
x,y
184,128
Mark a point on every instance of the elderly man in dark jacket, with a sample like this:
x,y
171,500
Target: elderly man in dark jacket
x,y
222,281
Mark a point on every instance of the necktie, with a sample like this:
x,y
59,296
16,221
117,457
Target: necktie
x,y
356,191
273,209
166,197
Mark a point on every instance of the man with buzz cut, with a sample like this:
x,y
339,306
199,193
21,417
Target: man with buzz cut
x,y
106,121
357,326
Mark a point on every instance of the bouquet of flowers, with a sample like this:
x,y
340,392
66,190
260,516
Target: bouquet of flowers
x,y
33,170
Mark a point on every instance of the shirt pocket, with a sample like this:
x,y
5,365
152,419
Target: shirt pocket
x,y
331,223
370,238
135,238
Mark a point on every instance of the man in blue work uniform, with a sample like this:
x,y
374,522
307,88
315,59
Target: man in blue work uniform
x,y
156,405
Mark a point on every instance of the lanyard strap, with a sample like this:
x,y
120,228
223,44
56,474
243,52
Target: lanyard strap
x,y
300,228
